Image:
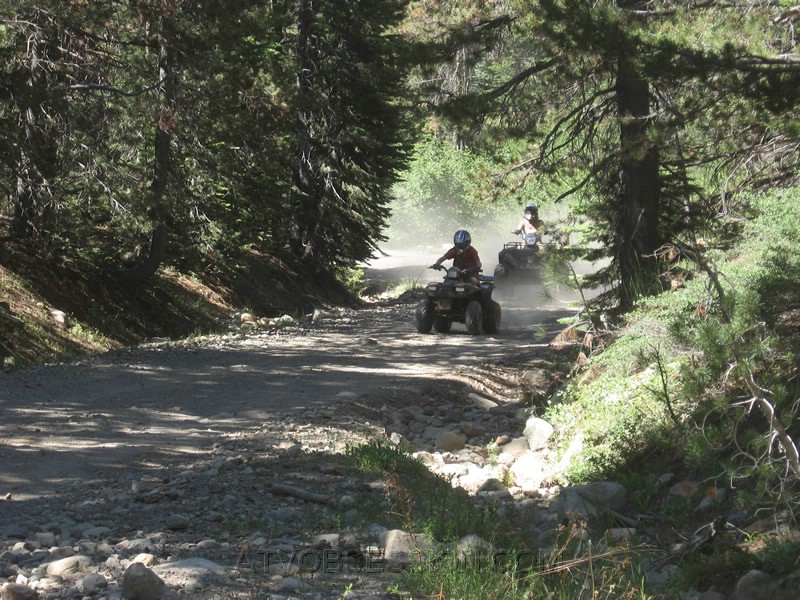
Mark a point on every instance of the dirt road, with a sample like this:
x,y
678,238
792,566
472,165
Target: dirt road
x,y
165,403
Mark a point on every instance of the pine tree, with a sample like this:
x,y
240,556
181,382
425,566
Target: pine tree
x,y
350,116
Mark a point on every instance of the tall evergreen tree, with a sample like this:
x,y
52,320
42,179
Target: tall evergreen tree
x,y
230,124
350,115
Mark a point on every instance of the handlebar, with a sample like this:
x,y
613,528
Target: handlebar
x,y
464,271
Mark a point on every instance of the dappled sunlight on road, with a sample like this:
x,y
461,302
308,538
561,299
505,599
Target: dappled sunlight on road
x,y
93,419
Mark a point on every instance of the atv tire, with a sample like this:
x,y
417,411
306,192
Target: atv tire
x,y
473,317
491,318
424,316
441,324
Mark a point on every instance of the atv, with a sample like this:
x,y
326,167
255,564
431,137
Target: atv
x,y
458,298
519,263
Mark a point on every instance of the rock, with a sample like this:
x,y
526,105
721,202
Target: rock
x,y
46,539
475,477
664,480
96,532
400,442
659,579
177,522
607,494
449,441
470,429
683,489
482,402
291,585
144,558
528,471
139,486
492,485
591,501
403,548
537,432
516,447
188,572
755,585
140,583
92,583
71,565
17,591
137,546
426,458
712,498
472,547
60,318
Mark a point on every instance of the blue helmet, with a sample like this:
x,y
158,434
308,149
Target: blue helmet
x,y
462,239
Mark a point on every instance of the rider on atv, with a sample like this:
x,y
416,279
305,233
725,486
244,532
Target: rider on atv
x,y
464,256
528,226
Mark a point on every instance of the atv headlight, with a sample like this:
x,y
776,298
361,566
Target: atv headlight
x,y
432,287
460,289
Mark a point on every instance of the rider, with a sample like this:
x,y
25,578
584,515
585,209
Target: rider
x,y
463,254
528,226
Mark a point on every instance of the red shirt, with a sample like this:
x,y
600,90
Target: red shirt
x,y
468,259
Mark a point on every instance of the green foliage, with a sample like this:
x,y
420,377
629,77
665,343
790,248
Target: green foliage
x,y
779,556
617,413
573,568
446,188
95,85
422,501
676,102
671,378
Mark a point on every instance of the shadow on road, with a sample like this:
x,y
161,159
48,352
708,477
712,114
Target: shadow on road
x,y
95,420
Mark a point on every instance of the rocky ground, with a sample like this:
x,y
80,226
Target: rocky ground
x,y
217,467
213,468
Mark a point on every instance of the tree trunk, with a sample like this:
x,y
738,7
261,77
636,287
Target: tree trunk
x,y
637,227
158,187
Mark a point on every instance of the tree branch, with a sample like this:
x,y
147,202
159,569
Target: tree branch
x,y
112,89
760,395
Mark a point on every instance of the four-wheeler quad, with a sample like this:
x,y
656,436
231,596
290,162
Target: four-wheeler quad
x,y
518,263
457,298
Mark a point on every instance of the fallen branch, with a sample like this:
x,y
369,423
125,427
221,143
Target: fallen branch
x,y
778,429
287,490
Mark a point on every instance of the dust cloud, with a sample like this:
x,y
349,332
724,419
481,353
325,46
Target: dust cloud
x,y
415,243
